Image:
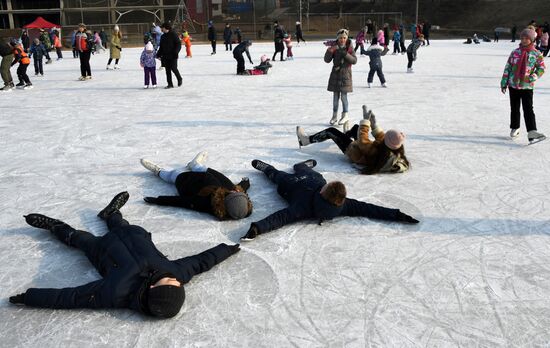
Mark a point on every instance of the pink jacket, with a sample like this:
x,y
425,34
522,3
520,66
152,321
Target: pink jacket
x,y
380,38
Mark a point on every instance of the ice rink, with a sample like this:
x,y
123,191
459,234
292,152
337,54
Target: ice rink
x,y
474,272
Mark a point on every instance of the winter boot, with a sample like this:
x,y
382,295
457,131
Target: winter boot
x,y
535,137
344,118
514,132
150,166
303,138
42,221
334,118
259,165
310,163
198,161
116,203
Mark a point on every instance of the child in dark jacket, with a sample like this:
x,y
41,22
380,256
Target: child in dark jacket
x,y
19,56
135,274
148,63
375,54
203,189
37,51
411,51
310,197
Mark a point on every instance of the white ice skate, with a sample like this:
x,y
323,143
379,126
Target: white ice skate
x,y
108,67
535,137
514,132
150,166
410,70
303,139
334,118
368,84
198,161
146,86
344,118
117,67
384,85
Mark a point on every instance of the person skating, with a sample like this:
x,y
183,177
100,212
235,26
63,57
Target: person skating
x,y
309,196
384,154
278,36
186,39
6,52
19,56
135,274
227,34
523,68
203,189
148,63
37,52
25,40
239,35
212,36
57,45
396,41
514,31
360,40
411,51
426,30
375,54
287,39
115,48
299,33
45,40
340,82
238,52
170,46
402,39
84,45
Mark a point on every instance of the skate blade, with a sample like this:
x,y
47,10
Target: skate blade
x,y
536,141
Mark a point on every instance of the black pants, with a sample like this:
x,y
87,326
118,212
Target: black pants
x,y
228,46
523,97
279,47
85,69
75,53
396,47
111,59
341,139
22,73
59,53
411,60
91,245
213,43
285,181
378,70
38,66
171,65
402,46
299,37
357,45
240,63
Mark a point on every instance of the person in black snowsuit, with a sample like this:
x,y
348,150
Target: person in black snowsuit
x,y
299,33
170,46
104,38
25,41
514,31
227,34
238,55
203,189
212,36
310,197
411,51
135,274
278,36
239,35
426,28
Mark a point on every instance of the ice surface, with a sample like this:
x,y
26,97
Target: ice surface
x,y
475,272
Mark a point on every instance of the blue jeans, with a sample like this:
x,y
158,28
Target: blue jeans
x,y
170,175
344,97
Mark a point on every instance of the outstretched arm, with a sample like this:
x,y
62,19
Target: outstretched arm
x,y
353,207
84,296
193,265
276,220
198,203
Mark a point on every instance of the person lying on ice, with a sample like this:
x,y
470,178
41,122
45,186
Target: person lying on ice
x,y
386,154
203,189
134,273
311,197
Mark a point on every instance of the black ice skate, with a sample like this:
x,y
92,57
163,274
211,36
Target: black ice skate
x,y
259,165
42,221
116,203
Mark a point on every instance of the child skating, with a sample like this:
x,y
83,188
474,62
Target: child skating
x,y
37,51
187,43
287,39
525,66
149,64
19,56
411,51
375,54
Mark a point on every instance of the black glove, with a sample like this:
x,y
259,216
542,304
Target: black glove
x,y
251,62
150,199
235,248
406,218
18,299
120,48
245,183
251,233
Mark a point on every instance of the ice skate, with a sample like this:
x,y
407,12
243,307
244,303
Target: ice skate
x,y
535,137
7,88
108,67
28,86
154,86
259,165
116,203
303,138
384,85
368,84
150,166
116,67
20,85
82,78
410,70
514,133
89,77
366,112
42,221
334,118
344,118
198,160
310,163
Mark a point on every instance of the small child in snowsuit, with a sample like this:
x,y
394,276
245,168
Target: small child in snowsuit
x,y
524,67
148,63
386,154
187,43
19,56
396,41
411,51
374,52
287,39
261,69
57,44
37,51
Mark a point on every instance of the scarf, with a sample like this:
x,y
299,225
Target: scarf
x,y
523,61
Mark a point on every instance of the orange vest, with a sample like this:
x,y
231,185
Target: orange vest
x,y
18,51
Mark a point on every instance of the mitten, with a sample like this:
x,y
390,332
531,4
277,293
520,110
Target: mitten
x,y
245,183
251,233
18,299
150,199
235,248
406,218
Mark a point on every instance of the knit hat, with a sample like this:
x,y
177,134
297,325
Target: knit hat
x,y
263,58
149,47
394,139
116,28
529,33
236,205
165,301
342,33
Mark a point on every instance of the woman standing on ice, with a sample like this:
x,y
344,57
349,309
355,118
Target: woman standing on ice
x,y
525,66
84,46
115,48
386,154
203,189
340,82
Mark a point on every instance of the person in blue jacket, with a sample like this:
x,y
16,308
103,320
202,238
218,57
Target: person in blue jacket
x,y
135,274
227,34
310,197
